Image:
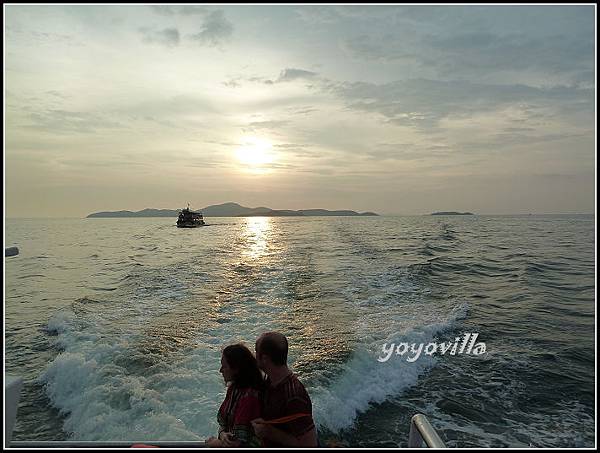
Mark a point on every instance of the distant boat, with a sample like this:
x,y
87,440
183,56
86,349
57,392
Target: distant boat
x,y
189,219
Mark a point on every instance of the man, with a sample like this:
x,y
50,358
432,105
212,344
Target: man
x,y
284,396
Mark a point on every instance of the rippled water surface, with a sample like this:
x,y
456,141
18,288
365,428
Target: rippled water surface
x,y
117,324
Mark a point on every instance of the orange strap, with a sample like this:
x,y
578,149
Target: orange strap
x,y
285,419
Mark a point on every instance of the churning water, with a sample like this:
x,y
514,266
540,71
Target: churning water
x,y
117,324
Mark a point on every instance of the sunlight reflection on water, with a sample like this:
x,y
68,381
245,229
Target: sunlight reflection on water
x,y
257,235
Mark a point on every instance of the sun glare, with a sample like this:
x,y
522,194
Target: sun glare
x,y
254,152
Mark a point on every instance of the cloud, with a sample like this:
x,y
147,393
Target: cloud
x,y
329,15
318,15
40,38
423,102
273,126
529,45
301,110
515,57
232,83
286,75
267,124
183,113
168,37
387,48
505,139
301,151
483,52
260,80
407,152
66,122
215,29
187,10
290,74
57,94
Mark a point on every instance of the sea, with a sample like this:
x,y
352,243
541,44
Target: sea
x,y
117,325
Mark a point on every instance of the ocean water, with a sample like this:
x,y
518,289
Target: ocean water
x,y
116,325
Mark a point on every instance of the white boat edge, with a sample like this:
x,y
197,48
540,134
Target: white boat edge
x,y
12,395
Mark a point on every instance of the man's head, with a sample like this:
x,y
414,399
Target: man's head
x,y
271,350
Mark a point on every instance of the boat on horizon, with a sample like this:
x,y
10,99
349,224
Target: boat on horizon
x,y
190,219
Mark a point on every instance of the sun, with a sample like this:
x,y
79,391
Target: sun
x,y
255,152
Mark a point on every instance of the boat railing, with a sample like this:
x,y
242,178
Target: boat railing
x,y
421,432
12,394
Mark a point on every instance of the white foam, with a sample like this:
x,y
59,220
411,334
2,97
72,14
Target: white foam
x,y
104,386
366,381
60,321
110,389
103,401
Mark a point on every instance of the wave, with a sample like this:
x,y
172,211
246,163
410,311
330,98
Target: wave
x,y
141,361
365,381
102,402
106,388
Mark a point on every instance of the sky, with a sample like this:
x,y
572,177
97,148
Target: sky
x,y
387,108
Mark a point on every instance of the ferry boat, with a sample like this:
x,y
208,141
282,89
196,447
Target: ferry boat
x,y
189,219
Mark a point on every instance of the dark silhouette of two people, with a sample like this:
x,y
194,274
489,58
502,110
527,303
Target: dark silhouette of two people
x,y
270,411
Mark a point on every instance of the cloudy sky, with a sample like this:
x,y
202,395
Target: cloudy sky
x,y
394,109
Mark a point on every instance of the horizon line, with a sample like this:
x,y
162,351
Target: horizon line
x,y
378,215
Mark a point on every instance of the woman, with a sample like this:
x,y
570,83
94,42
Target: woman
x,y
242,402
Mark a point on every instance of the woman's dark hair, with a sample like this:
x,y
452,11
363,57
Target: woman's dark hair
x,y
241,359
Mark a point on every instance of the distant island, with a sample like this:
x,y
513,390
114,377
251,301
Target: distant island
x,y
231,210
452,213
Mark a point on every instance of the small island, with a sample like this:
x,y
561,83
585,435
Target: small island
x,y
452,213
